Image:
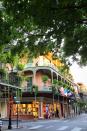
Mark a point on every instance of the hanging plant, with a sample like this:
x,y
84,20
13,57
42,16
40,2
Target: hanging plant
x,y
55,82
53,90
60,83
72,89
20,67
2,71
66,86
45,78
55,86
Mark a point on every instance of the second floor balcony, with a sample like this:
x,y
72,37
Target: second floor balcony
x,y
38,64
42,89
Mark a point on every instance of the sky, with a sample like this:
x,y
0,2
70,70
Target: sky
x,y
79,74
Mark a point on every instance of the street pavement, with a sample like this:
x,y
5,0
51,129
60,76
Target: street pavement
x,y
78,123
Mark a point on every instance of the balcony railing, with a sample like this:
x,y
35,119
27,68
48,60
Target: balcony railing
x,y
41,65
8,80
44,89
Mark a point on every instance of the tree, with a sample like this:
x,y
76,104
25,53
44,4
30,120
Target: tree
x,y
35,24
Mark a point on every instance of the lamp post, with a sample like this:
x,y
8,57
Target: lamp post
x,y
17,99
10,107
17,102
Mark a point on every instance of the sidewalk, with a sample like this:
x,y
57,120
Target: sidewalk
x,y
13,127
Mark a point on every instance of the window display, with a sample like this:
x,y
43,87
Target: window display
x,y
26,109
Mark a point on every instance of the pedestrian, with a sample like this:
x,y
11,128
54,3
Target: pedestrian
x,y
53,114
57,113
49,115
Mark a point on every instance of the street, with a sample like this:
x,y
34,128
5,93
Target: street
x,y
78,123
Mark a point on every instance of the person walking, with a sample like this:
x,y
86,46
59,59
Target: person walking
x,y
57,113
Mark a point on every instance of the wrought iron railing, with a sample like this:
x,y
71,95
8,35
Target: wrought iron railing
x,y
13,80
43,64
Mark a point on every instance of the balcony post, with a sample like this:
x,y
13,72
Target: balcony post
x,y
57,77
51,76
34,77
41,109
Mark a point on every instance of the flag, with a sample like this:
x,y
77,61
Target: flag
x,y
70,94
65,92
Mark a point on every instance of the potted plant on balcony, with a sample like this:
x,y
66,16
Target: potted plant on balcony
x,y
72,89
59,83
45,79
20,67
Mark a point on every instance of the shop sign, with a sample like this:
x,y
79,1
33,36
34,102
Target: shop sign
x,y
47,89
17,100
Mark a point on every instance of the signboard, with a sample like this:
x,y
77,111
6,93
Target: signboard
x,y
47,89
17,100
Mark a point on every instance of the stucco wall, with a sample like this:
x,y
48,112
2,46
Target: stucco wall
x,y
39,81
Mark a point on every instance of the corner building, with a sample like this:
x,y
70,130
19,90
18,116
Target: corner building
x,y
43,104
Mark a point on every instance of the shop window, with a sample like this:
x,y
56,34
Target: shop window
x,y
26,109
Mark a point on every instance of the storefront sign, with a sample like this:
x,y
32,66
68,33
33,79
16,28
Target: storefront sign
x,y
47,89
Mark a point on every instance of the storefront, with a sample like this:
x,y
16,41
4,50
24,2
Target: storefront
x,y
32,110
26,111
42,109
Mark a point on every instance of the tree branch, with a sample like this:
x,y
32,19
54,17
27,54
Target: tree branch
x,y
70,7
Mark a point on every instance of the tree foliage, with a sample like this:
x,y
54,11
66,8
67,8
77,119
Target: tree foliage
x,y
42,26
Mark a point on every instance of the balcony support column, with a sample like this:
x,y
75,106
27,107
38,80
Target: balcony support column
x,y
34,77
57,77
41,109
52,76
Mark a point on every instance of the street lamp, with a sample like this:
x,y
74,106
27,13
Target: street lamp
x,y
11,102
10,107
17,102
